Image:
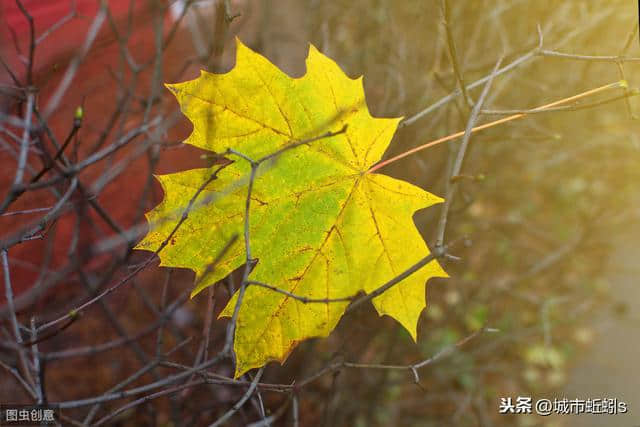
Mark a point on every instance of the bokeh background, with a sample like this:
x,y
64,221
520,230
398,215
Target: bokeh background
x,y
548,204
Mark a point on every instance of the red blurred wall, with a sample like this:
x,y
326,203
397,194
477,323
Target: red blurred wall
x,y
96,90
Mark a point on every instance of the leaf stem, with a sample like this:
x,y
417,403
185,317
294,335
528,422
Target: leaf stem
x,y
618,84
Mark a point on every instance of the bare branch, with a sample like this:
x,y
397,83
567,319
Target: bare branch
x,y
457,166
220,421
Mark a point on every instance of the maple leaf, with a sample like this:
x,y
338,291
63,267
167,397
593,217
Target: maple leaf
x,y
321,226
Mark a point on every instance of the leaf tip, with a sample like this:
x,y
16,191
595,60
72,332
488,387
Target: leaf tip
x,y
172,87
199,288
312,50
240,371
312,54
241,48
411,328
414,333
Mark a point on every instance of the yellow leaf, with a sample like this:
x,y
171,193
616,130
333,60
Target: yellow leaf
x,y
321,226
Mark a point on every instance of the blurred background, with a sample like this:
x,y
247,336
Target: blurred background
x,y
548,204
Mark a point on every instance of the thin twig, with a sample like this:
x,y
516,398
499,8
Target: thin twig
x,y
619,84
139,390
95,349
142,266
38,367
9,296
248,258
446,15
443,101
303,299
132,378
22,159
408,272
220,421
70,73
14,320
592,58
59,24
145,399
32,41
457,165
18,377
